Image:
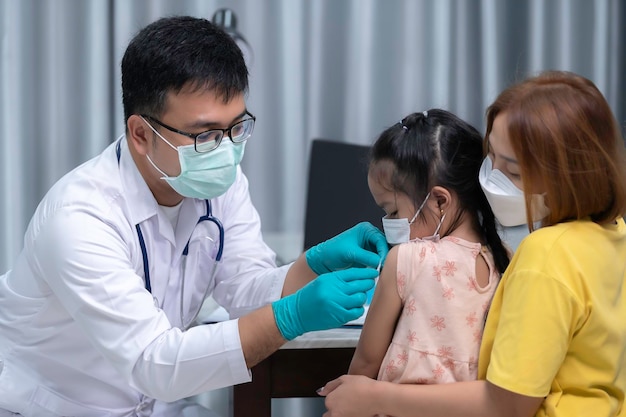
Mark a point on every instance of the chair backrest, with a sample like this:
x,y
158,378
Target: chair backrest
x,y
338,196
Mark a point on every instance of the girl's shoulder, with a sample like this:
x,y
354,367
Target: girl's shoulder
x,y
447,247
433,245
454,240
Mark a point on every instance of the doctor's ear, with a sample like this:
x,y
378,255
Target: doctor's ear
x,y
139,134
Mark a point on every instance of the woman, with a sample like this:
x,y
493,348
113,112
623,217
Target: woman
x,y
560,308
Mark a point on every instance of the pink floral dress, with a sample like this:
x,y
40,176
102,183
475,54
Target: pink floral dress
x,y
438,333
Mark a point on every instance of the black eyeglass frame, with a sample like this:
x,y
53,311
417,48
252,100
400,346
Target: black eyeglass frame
x,y
194,136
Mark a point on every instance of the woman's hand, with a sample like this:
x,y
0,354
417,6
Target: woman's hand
x,y
350,396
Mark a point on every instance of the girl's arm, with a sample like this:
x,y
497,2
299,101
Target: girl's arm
x,y
380,322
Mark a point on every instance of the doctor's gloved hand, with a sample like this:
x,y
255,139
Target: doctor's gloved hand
x,y
360,246
328,301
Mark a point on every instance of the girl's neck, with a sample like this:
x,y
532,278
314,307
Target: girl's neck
x,y
464,229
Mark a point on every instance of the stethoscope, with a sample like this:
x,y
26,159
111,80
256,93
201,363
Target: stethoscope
x,y
144,253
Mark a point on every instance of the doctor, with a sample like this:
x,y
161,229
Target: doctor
x,y
119,255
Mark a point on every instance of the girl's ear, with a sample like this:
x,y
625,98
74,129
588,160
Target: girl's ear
x,y
442,197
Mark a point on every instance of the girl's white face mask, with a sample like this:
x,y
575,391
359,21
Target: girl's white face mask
x,y
506,200
399,230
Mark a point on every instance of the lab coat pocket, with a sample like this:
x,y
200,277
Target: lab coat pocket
x,y
46,403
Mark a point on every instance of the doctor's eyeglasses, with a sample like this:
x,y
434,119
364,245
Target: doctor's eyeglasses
x,y
209,140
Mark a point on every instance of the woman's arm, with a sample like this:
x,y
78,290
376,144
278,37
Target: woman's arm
x,y
357,396
380,322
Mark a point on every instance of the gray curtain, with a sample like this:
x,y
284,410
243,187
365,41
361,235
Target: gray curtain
x,y
337,69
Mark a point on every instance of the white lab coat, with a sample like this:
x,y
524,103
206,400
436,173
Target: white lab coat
x,y
79,333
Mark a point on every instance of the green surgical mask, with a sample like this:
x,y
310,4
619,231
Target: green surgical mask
x,y
204,175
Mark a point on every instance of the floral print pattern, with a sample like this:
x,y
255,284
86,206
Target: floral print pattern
x,y
438,334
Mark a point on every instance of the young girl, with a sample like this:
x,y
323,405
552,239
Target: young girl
x,y
554,340
425,321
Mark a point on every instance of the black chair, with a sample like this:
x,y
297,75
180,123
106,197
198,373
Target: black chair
x,y
338,196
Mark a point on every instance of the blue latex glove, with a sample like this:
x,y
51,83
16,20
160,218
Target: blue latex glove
x,y
328,301
362,245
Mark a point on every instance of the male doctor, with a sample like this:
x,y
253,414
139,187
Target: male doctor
x,y
95,316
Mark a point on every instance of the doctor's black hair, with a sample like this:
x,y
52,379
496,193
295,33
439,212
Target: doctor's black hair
x,y
433,148
176,52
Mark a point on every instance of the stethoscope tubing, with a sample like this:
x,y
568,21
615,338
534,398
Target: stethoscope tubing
x,y
142,244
